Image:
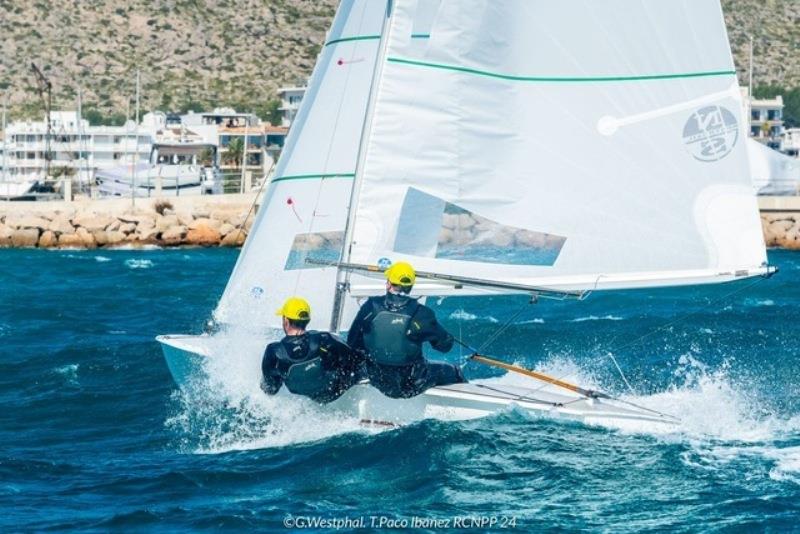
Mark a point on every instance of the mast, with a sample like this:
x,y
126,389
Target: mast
x,y
5,142
135,157
343,276
750,87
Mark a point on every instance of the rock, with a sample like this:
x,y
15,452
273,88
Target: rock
x,y
165,221
5,231
127,228
86,237
70,241
61,225
525,238
27,221
503,239
450,220
100,237
114,226
234,239
222,215
203,234
184,218
92,222
201,212
465,220
114,237
211,223
138,218
25,237
174,235
445,236
462,237
48,239
148,233
226,228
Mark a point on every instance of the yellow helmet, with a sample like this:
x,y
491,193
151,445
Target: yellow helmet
x,y
401,274
295,308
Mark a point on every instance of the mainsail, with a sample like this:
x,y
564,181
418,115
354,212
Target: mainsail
x,y
571,145
305,206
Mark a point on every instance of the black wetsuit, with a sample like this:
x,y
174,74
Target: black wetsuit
x,y
315,364
395,363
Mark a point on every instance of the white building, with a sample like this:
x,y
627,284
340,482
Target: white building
x,y
790,142
76,149
290,103
766,116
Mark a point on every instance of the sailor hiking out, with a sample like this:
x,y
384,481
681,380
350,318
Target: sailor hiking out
x,y
390,331
318,365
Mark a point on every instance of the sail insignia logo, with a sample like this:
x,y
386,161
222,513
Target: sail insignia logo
x,y
257,292
711,133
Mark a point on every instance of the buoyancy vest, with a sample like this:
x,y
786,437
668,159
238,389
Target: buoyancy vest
x,y
306,377
387,340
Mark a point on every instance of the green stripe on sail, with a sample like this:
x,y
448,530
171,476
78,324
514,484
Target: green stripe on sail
x,y
353,38
372,38
560,79
313,177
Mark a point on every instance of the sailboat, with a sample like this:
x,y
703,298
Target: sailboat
x,y
550,149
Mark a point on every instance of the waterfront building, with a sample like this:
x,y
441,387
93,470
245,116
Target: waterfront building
x,y
790,142
766,117
290,102
76,149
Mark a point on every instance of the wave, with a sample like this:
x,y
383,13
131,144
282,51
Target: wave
x,y
102,259
597,318
463,315
138,264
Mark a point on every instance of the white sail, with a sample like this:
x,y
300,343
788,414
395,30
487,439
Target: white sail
x,y
772,173
571,145
305,207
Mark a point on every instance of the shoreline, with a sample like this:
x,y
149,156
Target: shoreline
x,y
218,221
199,221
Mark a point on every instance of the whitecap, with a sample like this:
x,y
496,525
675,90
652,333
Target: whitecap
x,y
462,315
138,264
597,318
101,259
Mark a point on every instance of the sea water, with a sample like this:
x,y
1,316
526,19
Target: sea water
x,y
95,435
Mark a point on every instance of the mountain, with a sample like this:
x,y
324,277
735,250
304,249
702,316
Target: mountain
x,y
205,53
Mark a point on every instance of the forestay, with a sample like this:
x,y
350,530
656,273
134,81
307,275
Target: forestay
x,y
305,206
572,145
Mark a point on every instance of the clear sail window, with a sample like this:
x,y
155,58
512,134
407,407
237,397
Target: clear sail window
x,y
431,227
317,246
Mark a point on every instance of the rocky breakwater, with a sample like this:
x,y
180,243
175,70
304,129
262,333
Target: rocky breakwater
x,y
159,225
781,230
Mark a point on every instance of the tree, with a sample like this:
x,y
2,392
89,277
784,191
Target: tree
x,y
233,156
206,157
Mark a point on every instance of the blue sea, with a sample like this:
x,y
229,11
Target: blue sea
x,y
95,436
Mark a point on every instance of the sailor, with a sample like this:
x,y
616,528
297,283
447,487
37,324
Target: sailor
x,y
318,365
390,331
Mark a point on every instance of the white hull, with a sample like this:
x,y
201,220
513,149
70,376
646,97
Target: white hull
x,y
185,357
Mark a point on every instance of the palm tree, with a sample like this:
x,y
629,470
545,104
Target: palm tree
x,y
233,156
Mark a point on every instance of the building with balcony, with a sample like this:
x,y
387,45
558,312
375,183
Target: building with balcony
x,y
766,117
290,102
75,149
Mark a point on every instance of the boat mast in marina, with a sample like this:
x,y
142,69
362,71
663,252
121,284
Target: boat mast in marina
x,y
135,158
